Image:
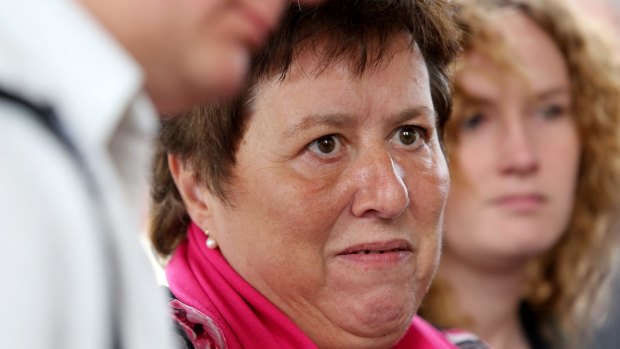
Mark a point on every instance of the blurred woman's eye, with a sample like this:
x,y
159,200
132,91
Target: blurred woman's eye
x,y
552,111
326,145
473,121
410,136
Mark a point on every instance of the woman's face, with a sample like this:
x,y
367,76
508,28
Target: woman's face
x,y
516,158
337,199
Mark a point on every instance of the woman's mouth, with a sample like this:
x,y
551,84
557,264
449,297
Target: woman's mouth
x,y
377,254
520,202
379,251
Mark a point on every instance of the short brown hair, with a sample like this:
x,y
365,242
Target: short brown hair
x,y
360,32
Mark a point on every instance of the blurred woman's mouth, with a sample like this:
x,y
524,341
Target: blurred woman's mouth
x,y
520,202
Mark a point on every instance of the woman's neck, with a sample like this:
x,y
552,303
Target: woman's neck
x,y
489,298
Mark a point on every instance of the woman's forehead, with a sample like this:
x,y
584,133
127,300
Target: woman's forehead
x,y
402,83
535,50
530,63
313,57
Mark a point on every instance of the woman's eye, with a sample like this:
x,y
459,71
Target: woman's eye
x,y
409,135
473,121
325,145
552,111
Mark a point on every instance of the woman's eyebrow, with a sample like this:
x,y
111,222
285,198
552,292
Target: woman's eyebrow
x,y
414,113
473,99
552,92
312,120
340,120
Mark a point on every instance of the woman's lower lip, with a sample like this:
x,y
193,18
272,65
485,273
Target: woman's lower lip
x,y
377,260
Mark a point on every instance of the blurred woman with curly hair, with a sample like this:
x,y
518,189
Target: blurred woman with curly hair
x,y
535,160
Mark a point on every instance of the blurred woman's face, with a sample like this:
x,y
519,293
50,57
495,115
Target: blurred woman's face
x,y
337,198
516,156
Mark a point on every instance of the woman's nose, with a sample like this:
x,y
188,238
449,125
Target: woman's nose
x,y
518,154
380,190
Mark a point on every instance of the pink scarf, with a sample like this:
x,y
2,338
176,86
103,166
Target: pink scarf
x,y
202,279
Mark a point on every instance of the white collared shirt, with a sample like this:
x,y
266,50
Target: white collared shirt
x,y
65,278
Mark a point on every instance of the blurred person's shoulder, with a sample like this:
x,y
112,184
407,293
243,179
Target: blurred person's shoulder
x,y
70,257
47,249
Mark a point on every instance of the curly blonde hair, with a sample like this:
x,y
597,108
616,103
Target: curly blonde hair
x,y
567,285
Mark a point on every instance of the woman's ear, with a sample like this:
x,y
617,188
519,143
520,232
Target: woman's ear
x,y
194,195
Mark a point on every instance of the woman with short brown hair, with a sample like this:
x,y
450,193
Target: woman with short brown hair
x,y
307,213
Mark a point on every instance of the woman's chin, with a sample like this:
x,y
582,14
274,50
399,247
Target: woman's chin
x,y
380,317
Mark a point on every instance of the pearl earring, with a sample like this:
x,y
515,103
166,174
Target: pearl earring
x,y
211,243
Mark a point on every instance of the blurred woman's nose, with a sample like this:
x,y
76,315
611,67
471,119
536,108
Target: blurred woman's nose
x,y
517,153
380,190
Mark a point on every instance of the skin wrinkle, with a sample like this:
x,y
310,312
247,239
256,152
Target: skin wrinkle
x,y
341,120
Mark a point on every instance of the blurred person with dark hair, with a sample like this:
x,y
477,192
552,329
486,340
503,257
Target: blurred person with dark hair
x,y
535,158
80,84
307,213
